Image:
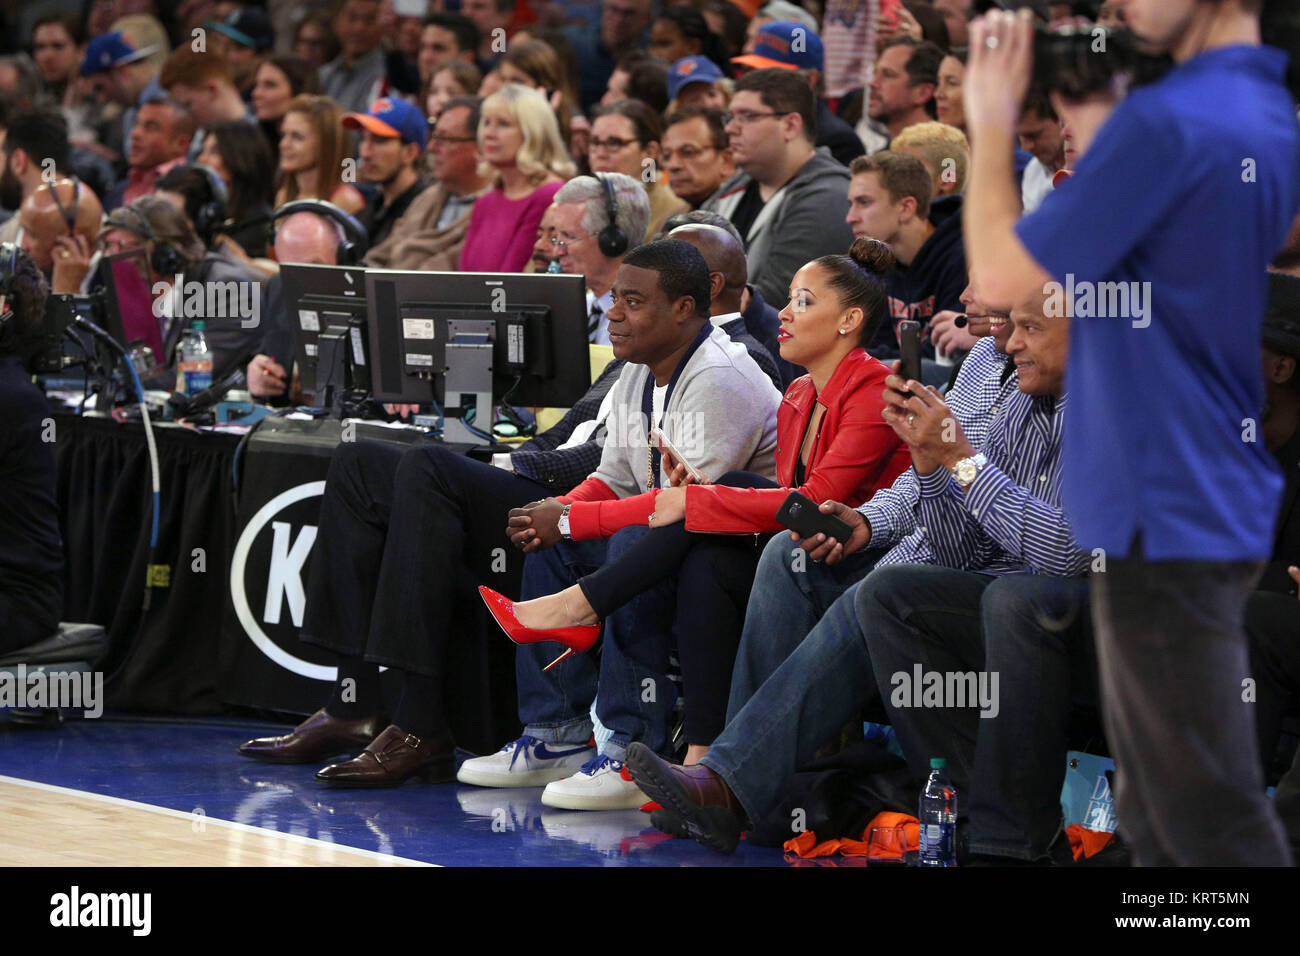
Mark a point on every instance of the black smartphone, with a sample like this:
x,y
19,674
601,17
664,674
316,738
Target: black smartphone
x,y
909,351
800,513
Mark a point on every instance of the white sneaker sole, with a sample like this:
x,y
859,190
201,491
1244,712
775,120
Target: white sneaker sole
x,y
561,800
527,778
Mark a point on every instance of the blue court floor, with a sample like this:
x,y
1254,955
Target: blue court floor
x,y
192,766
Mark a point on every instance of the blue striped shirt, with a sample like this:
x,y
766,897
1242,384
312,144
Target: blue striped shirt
x,y
1010,520
974,399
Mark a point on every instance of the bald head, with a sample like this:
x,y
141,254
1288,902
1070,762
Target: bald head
x,y
42,217
724,255
305,237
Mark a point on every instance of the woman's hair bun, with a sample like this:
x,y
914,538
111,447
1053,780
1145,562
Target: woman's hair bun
x,y
872,255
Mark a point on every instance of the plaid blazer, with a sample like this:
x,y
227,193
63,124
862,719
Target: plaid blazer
x,y
563,469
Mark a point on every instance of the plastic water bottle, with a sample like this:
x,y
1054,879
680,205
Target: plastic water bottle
x,y
196,360
938,815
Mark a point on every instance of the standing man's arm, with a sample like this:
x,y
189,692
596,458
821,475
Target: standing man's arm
x,y
995,84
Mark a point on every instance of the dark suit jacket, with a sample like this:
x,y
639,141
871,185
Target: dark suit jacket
x,y
837,135
763,322
1286,546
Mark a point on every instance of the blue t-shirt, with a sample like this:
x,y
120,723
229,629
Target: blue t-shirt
x,y
1184,197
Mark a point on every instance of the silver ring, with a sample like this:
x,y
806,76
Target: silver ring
x,y
911,420
991,42
651,518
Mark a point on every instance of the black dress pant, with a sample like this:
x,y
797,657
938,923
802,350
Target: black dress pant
x,y
1273,626
404,534
1172,655
714,575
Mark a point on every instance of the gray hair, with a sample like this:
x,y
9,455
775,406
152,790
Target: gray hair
x,y
633,204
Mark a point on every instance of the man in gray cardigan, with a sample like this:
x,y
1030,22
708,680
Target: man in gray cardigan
x,y
789,199
720,410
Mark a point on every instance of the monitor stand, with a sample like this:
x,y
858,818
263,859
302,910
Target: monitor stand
x,y
469,375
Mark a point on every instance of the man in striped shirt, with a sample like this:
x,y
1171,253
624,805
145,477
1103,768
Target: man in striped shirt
x,y
983,514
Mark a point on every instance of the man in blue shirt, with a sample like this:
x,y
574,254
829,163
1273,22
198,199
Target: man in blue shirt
x,y
1165,478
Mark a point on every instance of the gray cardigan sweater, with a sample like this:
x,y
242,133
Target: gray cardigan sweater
x,y
721,415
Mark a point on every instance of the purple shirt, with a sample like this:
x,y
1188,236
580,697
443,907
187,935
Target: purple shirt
x,y
502,232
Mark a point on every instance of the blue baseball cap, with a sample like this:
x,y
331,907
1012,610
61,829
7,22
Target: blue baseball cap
x,y
390,116
691,69
785,45
110,50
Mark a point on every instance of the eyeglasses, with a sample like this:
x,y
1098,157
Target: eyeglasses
x,y
563,244
687,153
745,117
612,144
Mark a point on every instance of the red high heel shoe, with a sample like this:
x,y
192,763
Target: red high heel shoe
x,y
577,639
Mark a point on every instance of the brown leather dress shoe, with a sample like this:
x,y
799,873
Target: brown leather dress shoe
x,y
392,758
317,738
707,809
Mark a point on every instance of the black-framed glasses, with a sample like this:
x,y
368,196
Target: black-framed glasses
x,y
745,117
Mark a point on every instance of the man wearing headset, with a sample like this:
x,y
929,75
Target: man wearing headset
x,y
58,223
31,550
173,249
309,236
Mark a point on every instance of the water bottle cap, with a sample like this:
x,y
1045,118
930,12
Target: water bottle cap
x,y
197,325
938,763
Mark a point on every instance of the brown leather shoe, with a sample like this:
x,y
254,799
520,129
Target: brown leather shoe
x,y
392,758
317,738
709,812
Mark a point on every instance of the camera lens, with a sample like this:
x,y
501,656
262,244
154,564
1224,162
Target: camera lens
x,y
795,509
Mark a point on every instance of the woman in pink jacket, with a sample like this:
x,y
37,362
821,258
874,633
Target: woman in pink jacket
x,y
521,145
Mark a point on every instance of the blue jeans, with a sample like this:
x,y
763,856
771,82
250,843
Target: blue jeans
x,y
921,614
1038,639
791,594
636,697
1033,633
793,688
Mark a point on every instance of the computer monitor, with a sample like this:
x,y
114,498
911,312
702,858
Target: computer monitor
x,y
327,311
444,336
129,304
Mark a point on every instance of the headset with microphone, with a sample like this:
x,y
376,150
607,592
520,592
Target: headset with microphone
x,y
613,242
164,259
211,216
69,215
356,239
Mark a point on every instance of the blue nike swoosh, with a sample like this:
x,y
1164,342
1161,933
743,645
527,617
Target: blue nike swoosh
x,y
542,753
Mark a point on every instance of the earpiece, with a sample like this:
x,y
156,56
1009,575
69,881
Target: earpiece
x,y
612,240
350,249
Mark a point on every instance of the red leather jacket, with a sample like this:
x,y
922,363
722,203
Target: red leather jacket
x,y
854,454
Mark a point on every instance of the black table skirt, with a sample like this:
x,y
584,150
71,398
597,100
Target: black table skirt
x,y
165,660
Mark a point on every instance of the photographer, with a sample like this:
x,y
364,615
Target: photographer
x,y
31,551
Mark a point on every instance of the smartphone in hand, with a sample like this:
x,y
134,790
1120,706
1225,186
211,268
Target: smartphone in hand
x,y
909,351
801,515
664,443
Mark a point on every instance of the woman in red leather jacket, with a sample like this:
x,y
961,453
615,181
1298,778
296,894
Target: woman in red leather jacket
x,y
832,444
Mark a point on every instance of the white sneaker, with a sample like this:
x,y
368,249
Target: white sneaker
x,y
601,784
526,762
